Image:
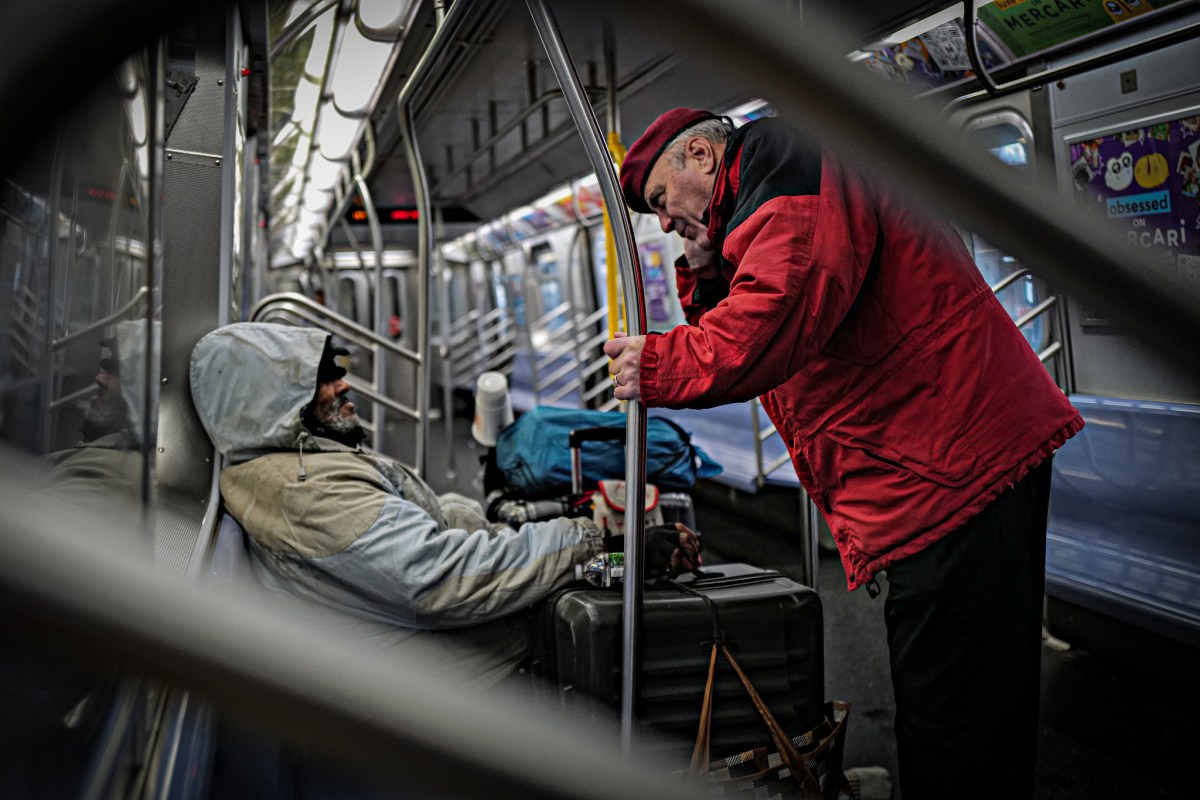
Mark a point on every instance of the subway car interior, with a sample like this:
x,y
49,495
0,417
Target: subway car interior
x,y
432,183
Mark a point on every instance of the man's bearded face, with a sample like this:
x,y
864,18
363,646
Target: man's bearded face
x,y
107,412
335,411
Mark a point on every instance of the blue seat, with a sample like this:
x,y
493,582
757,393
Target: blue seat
x,y
1123,536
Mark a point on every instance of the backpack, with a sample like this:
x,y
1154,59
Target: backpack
x,y
535,458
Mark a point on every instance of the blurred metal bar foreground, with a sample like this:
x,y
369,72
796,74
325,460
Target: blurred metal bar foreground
x,y
900,141
65,581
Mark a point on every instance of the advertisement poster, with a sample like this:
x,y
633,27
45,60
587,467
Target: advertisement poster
x,y
1030,26
934,58
1146,181
654,278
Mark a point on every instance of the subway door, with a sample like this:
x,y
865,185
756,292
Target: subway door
x,y
498,333
461,324
591,316
1015,131
520,312
354,302
553,335
400,315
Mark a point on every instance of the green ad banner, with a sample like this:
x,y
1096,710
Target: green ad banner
x,y
1031,26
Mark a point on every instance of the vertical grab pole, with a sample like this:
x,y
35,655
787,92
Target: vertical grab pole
x,y
412,152
449,23
378,359
617,151
444,352
635,445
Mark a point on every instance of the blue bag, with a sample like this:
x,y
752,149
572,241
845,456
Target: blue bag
x,y
535,457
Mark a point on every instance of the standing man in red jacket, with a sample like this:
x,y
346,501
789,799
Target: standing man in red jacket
x,y
916,414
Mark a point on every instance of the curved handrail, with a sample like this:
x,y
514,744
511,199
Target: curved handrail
x,y
326,315
1008,280
970,23
120,313
1036,311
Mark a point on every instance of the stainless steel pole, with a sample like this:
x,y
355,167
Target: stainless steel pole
x,y
635,305
443,283
412,152
380,363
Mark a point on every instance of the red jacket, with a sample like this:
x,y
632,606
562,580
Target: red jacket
x,y
906,396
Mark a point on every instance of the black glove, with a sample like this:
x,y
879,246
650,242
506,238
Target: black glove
x,y
661,543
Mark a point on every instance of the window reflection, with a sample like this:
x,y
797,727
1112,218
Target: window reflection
x,y
78,359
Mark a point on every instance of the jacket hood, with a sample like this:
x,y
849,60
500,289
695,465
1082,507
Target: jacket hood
x,y
251,381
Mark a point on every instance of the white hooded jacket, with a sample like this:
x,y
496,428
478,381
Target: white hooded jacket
x,y
358,532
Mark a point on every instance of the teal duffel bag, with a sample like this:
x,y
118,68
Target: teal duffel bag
x,y
535,458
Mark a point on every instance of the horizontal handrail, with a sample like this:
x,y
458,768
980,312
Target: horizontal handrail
x,y
119,314
562,392
553,377
1035,312
366,391
596,364
494,313
324,314
595,391
776,464
499,359
298,316
74,397
548,357
464,321
557,311
1050,351
1008,280
502,328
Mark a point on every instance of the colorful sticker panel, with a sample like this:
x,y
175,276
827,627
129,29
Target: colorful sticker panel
x,y
1146,181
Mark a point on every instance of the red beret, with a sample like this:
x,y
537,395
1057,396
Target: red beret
x,y
649,146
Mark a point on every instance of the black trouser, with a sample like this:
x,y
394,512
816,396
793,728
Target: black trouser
x,y
964,631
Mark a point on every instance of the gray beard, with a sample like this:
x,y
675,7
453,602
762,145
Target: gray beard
x,y
330,416
107,413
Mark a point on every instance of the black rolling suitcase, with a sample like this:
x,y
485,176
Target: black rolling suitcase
x,y
772,624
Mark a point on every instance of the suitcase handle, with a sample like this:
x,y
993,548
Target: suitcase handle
x,y
576,439
717,580
605,434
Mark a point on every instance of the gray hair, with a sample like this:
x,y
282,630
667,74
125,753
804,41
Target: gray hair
x,y
714,129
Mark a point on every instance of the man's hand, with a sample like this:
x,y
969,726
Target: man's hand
x,y
625,369
686,557
670,549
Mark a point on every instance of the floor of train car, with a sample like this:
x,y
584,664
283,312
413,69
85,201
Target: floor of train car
x,y
1110,728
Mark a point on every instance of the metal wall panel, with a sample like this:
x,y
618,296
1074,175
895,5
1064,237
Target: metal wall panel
x,y
1107,360
192,286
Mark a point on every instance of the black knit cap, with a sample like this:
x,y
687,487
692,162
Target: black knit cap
x,y
329,370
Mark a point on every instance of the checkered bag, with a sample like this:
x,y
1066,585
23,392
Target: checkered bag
x,y
804,767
